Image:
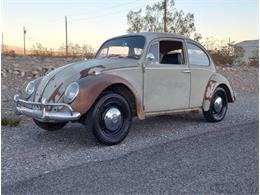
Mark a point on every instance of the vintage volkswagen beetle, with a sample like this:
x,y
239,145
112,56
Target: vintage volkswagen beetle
x,y
132,75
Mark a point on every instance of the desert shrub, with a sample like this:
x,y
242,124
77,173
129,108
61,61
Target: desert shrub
x,y
12,122
254,60
4,121
75,50
39,50
9,53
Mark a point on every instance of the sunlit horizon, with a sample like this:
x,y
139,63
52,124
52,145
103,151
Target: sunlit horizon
x,y
92,22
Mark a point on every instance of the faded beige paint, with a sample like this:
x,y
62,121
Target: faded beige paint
x,y
159,89
73,72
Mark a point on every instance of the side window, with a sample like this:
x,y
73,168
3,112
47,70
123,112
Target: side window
x,y
171,52
154,49
197,56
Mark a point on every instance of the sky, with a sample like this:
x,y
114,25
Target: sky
x,y
94,21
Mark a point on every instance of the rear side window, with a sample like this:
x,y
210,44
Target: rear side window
x,y
171,52
197,56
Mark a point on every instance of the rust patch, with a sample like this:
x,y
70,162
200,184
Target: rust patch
x,y
55,93
210,89
89,71
92,87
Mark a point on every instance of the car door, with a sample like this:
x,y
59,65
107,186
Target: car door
x,y
166,76
201,68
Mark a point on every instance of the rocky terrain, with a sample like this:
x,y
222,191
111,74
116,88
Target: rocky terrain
x,y
17,71
180,153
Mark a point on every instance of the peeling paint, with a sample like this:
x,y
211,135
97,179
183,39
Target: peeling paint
x,y
91,88
55,93
210,89
90,71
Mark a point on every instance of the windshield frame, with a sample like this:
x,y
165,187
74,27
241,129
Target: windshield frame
x,y
125,36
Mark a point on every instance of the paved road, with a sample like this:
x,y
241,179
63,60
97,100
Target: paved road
x,y
168,154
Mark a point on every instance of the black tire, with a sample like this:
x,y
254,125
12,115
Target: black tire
x,y
97,118
215,113
50,126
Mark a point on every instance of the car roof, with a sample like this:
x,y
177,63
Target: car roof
x,y
153,35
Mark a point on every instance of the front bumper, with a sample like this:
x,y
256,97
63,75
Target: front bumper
x,y
45,111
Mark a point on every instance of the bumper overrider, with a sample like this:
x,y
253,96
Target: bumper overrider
x,y
45,111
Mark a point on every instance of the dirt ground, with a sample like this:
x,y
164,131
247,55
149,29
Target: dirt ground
x,y
17,71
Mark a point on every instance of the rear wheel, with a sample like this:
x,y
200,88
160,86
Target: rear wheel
x,y
49,126
110,118
218,106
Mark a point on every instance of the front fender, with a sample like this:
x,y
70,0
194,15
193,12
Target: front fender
x,y
215,81
92,86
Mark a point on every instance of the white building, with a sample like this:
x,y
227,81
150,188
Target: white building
x,y
250,48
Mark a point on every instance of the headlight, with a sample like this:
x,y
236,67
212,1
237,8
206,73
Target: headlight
x,y
71,92
29,89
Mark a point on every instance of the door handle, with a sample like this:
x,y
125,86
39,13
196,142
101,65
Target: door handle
x,y
186,71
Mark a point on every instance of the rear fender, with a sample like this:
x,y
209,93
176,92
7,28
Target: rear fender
x,y
215,81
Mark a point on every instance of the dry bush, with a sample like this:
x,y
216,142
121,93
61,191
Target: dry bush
x,y
9,53
12,122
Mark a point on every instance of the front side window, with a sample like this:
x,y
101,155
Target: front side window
x,y
124,47
197,56
154,50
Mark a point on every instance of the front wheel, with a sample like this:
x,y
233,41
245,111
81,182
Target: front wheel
x,y
49,126
218,106
110,118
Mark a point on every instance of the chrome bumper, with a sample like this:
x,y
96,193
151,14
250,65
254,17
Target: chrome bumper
x,y
41,113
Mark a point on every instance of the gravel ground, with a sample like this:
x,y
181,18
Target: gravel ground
x,y
72,161
218,162
31,155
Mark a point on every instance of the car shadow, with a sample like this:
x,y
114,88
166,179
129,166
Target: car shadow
x,y
78,135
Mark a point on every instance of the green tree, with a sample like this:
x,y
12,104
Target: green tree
x,y
152,20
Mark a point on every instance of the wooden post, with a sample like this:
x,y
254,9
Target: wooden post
x,y
66,34
24,49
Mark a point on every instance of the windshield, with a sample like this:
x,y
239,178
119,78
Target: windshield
x,y
125,47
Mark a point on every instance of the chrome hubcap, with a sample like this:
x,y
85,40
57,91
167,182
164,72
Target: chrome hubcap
x,y
218,104
113,119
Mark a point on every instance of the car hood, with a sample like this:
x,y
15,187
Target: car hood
x,y
53,85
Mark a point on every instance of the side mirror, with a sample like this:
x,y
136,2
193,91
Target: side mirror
x,y
150,57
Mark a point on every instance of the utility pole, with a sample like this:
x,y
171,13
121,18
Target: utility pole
x,y
66,34
24,32
165,15
2,42
229,46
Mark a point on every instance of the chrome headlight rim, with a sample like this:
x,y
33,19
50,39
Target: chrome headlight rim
x,y
67,99
29,89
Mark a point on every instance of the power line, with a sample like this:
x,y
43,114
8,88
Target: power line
x,y
106,14
115,6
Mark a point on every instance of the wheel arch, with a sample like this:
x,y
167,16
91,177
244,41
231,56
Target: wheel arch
x,y
215,81
124,91
227,90
92,88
